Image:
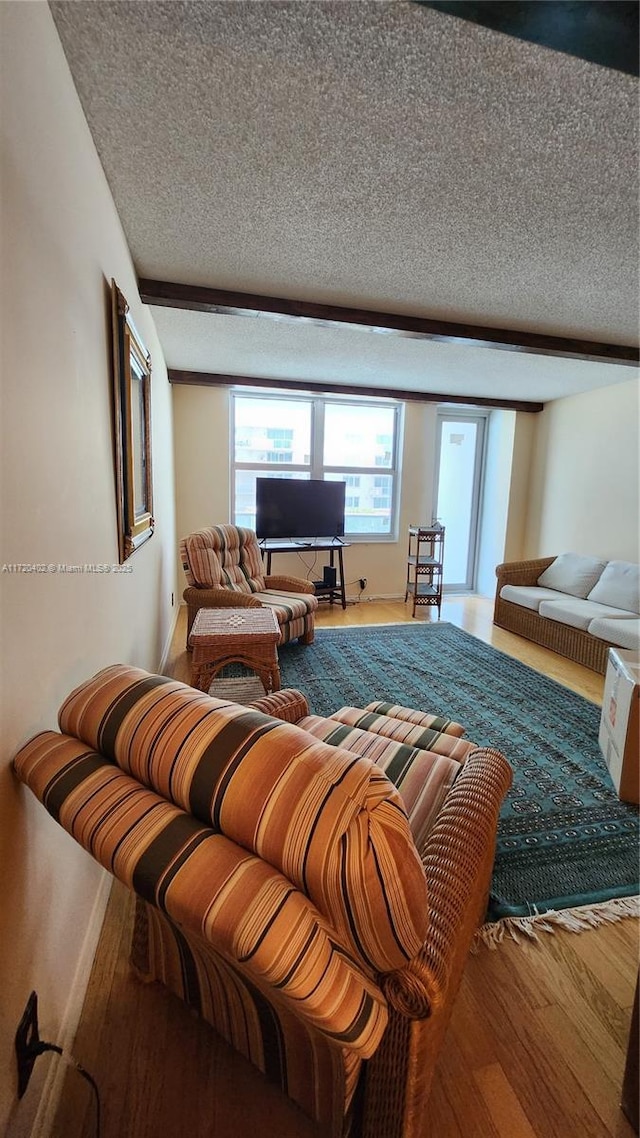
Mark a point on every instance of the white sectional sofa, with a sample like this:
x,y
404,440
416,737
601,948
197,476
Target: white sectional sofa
x,y
579,606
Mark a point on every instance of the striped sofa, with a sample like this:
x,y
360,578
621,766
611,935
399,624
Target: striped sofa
x,y
295,881
223,567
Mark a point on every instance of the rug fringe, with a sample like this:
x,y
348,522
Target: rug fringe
x,y
574,920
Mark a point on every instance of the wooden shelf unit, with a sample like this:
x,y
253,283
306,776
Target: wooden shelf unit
x,y
425,558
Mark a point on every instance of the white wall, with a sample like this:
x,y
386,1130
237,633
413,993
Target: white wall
x,y
584,476
62,244
203,492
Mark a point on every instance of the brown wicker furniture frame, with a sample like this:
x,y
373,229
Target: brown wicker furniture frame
x,y
247,636
561,638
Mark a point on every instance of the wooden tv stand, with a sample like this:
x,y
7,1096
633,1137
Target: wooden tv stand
x,y
333,547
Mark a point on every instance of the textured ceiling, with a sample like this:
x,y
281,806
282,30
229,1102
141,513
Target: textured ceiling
x,y
379,155
354,357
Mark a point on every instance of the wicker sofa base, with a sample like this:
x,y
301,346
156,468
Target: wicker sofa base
x,y
574,643
561,638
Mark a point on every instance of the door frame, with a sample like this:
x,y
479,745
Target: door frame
x,y
481,419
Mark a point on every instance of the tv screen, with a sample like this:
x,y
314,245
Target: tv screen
x,y
299,508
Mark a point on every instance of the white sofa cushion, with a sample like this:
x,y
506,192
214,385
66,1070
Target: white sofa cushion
x,y
572,573
529,596
624,631
619,586
577,612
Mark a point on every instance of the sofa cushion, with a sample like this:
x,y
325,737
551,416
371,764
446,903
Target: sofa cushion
x,y
577,612
288,606
623,631
572,573
330,821
424,735
223,557
529,596
619,586
423,778
411,715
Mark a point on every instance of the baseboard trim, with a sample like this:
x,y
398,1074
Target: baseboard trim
x,y
357,599
54,1082
169,640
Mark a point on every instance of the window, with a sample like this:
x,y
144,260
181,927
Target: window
x,y
352,441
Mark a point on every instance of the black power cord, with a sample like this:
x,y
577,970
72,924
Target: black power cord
x,y
40,1047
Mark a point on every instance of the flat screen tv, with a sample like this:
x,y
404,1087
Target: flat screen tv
x,y
299,508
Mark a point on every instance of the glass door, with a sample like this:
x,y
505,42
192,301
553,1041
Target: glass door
x,y
459,464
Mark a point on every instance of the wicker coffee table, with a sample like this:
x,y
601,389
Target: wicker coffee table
x,y
224,636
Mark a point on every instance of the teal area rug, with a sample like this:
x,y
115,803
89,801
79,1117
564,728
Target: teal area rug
x,y
564,838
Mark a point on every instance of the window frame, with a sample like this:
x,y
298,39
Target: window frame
x,y
316,468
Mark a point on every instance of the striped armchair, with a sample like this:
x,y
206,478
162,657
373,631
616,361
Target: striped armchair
x,y
280,889
223,567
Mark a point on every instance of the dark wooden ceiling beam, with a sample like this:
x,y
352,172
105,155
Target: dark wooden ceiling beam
x,y
217,379
223,302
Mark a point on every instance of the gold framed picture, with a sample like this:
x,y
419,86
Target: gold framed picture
x,y
132,429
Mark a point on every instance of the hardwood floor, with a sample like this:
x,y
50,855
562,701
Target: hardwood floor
x,y
535,1049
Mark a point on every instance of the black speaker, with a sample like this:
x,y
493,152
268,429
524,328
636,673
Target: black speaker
x,y
329,576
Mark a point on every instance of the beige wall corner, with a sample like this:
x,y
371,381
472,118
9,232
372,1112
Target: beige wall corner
x,y
585,476
525,433
201,449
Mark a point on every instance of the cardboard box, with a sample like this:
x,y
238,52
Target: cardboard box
x,y
619,736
